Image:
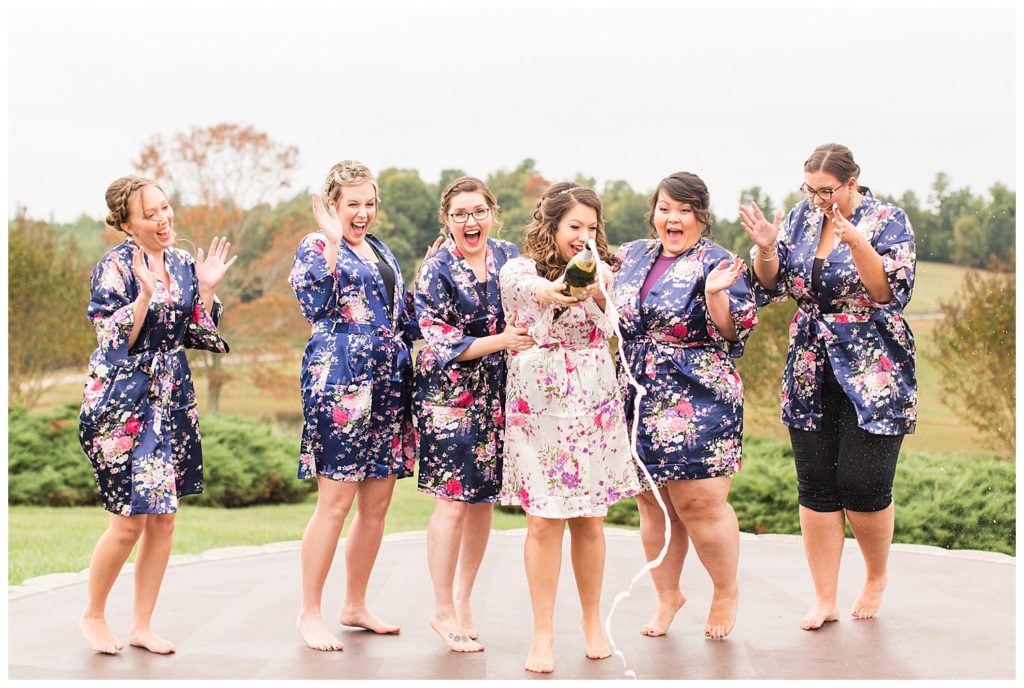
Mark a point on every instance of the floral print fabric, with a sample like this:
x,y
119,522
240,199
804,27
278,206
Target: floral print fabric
x,y
566,448
691,415
869,345
459,405
356,371
138,424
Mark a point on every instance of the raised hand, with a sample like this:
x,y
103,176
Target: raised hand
x,y
724,275
211,268
431,250
327,220
145,276
762,232
844,230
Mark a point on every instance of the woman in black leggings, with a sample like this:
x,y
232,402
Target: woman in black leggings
x,y
849,390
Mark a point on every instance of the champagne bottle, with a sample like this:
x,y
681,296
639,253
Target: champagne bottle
x,y
580,273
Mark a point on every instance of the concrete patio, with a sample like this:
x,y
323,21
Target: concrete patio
x,y
231,613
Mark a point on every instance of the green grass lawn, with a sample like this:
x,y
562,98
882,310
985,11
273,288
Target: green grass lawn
x,y
934,282
45,540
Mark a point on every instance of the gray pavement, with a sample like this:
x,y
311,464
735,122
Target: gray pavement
x,y
946,615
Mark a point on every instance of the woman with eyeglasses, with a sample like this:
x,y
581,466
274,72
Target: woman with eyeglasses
x,y
849,391
356,393
459,398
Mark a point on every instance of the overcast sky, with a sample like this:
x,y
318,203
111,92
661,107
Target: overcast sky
x,y
738,96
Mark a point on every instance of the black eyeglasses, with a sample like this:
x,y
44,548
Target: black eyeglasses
x,y
823,194
461,216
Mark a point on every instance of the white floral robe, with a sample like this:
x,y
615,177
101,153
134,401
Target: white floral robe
x,y
566,447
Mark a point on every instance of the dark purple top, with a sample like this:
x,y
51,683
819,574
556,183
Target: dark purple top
x,y
660,267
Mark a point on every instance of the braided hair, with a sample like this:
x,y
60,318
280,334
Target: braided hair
x,y
119,195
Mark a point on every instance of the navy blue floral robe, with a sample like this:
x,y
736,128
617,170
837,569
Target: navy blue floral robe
x,y
868,344
691,417
139,424
356,371
460,405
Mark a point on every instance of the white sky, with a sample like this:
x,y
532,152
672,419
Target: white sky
x,y
739,96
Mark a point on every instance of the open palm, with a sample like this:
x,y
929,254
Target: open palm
x,y
210,268
326,220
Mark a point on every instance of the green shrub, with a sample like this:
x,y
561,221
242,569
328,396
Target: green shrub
x,y
953,501
243,460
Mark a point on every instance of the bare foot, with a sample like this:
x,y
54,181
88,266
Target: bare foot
x,y
453,634
541,658
465,616
99,635
819,614
869,600
362,618
314,631
668,605
593,638
722,615
148,640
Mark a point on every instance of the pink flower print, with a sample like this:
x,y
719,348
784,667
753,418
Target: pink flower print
x,y
684,408
842,318
465,399
122,444
523,406
798,282
679,331
524,497
97,385
132,426
320,245
454,487
346,312
570,480
197,313
885,363
748,321
809,356
593,335
340,415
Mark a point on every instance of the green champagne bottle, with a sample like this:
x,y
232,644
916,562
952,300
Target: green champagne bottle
x,y
580,272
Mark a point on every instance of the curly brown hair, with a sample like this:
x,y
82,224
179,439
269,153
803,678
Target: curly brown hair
x,y
539,236
467,185
119,195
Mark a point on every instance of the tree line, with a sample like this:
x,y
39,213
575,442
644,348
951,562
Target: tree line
x,y
49,263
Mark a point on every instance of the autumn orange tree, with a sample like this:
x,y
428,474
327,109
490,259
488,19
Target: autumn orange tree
x,y
223,179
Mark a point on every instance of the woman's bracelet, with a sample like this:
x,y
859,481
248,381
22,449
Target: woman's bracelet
x,y
774,254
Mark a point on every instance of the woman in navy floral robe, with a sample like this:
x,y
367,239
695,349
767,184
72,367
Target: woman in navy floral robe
x,y
849,391
139,424
356,384
459,398
685,309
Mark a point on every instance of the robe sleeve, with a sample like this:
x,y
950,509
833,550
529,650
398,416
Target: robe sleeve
x,y
311,279
896,244
201,331
436,314
742,310
113,291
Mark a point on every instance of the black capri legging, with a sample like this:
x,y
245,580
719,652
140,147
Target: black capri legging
x,y
843,466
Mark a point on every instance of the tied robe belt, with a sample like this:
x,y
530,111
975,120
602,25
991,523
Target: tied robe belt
x,y
385,334
646,353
